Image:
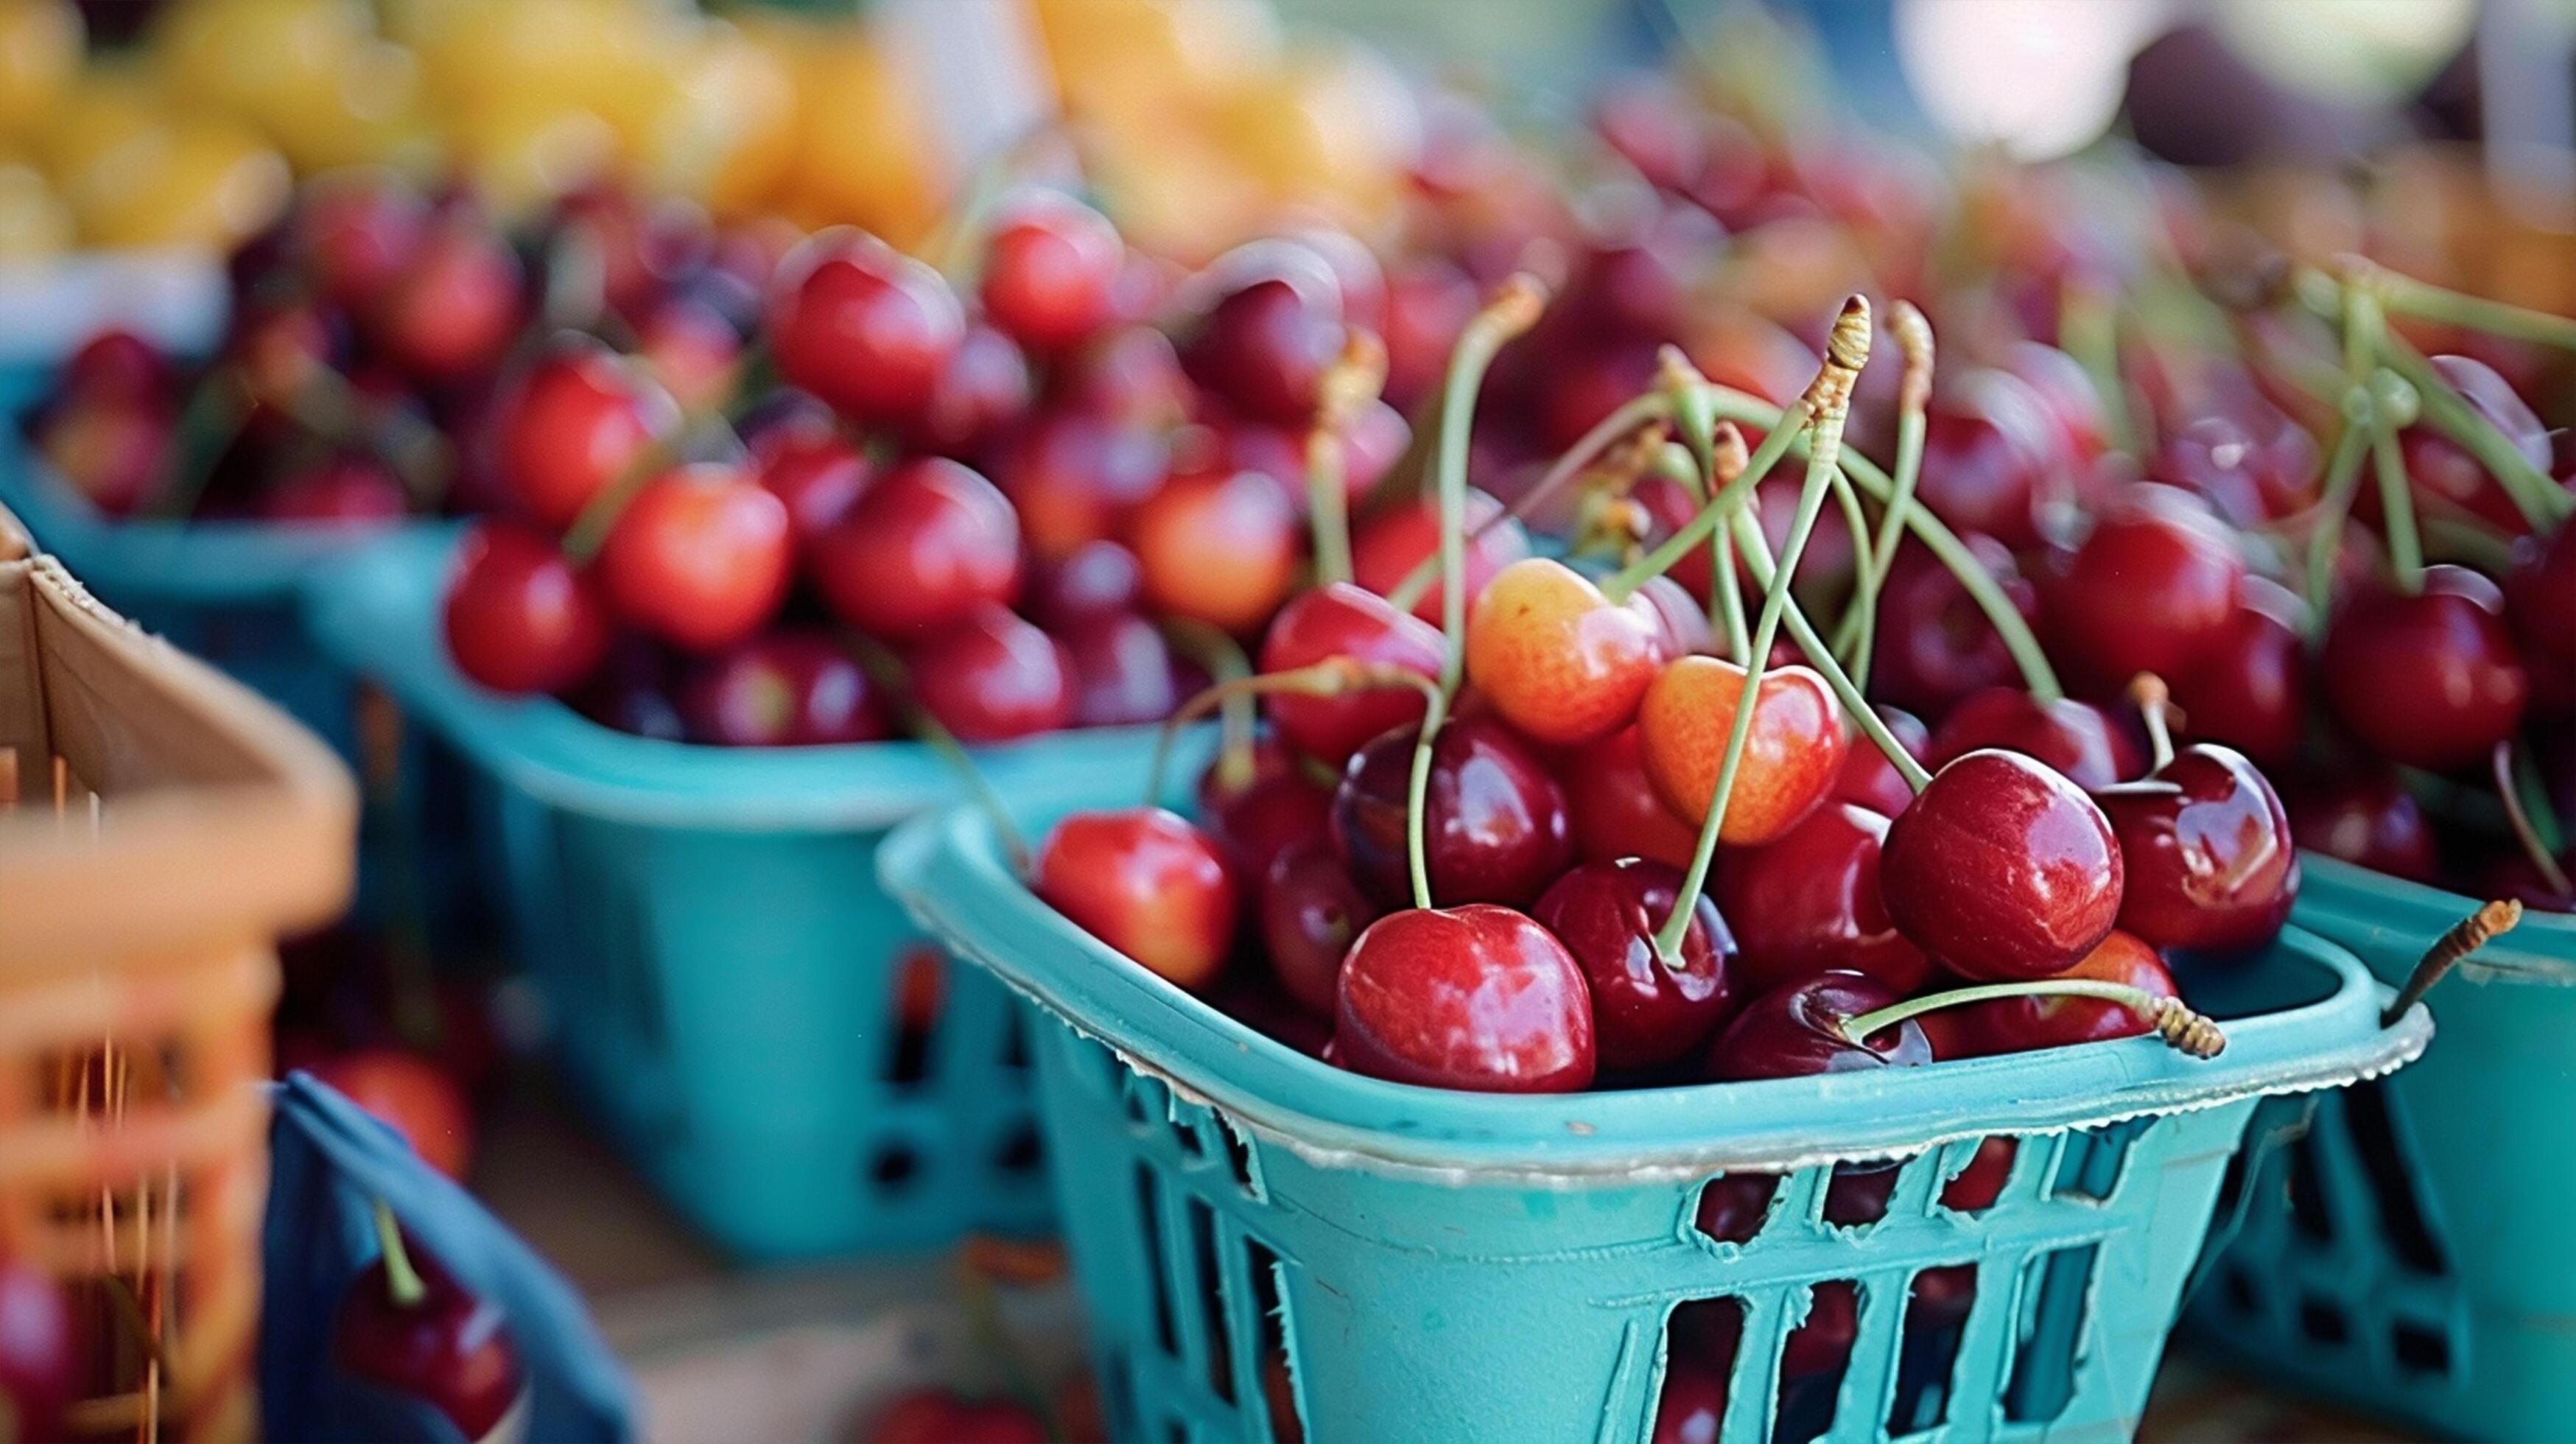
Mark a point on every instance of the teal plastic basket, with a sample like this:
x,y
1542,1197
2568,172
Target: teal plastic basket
x,y
1254,1230
2405,1250
720,966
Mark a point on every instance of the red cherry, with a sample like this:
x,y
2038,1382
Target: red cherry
x,y
2541,595
700,557
1692,1407
518,617
1122,670
446,1348
1075,478
1868,779
1808,903
1616,811
1218,547
1988,449
865,328
1559,660
1340,620
343,491
1645,1012
926,545
1051,271
1145,882
1265,346
2432,679
936,1416
1791,757
116,451
2368,819
819,480
785,689
280,348
1822,1344
1935,644
1477,998
1385,548
450,313
1494,825
992,676
1311,913
2444,474
2076,738
576,421
2205,852
116,364
1372,440
1254,821
690,348
1796,1030
2249,689
2001,869
1429,302
42,1371
1130,376
982,390
1096,579
2150,590
414,1097
2018,1025
2252,465
1975,1188
2066,393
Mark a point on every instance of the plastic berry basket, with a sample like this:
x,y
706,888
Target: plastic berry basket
x,y
2406,1251
1420,1265
723,973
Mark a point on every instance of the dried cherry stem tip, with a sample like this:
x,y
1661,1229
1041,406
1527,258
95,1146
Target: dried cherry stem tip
x,y
2182,1029
402,1281
2156,705
2466,936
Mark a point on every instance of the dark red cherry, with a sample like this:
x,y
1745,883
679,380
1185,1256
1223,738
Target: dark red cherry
x,y
2076,738
927,545
700,557
1385,548
518,618
1975,1188
1051,271
1340,620
1823,1343
449,315
575,422
1099,578
992,676
1935,644
342,491
2001,869
1868,779
2021,1025
862,326
786,689
819,479
443,1347
1075,477
1988,455
1254,820
42,1371
1122,670
2252,464
1477,998
1311,913
2249,688
1809,903
1494,823
2445,474
1692,1407
2430,679
1616,811
2540,593
2149,590
1796,1030
1264,346
1129,376
2205,852
117,363
1429,301
2066,393
2365,818
937,1416
114,450
1145,882
1645,1012
983,389
358,230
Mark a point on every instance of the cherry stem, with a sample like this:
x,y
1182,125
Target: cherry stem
x,y
2412,297
2397,506
2524,831
1224,660
1757,553
1331,677
2155,704
1723,501
2489,922
213,418
1727,462
887,670
1857,637
2542,501
1514,308
402,1281
2342,484
2182,1029
1417,796
2089,325
1352,381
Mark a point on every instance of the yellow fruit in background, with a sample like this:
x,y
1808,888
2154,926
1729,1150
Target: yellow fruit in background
x,y
523,152
34,222
40,57
1128,61
110,107
196,180
864,154
1181,197
286,66
1328,122
729,133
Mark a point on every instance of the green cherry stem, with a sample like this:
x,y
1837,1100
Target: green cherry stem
x,y
1857,637
2408,296
2342,484
1224,660
2396,498
2182,1029
1350,383
1727,461
1417,796
402,1281
1748,535
1785,429
2541,500
1332,677
887,670
2524,831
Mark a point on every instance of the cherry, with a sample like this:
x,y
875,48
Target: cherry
x,y
1616,811
1122,670
1145,882
42,1370
1098,578
863,327
1130,376
2150,589
1255,818
342,491
983,389
992,676
1265,345
1869,780
1822,1344
1987,452
1311,913
1219,547
924,547
115,450
2249,688
1556,658
574,422
785,689
1494,821
700,557
1386,547
1338,619
411,1095
1372,439
2206,852
2252,464
820,479
936,1416
2001,869
116,364
2075,738
1692,1407
2541,594
1975,1188
1075,477
1795,1031
450,313
2066,393
2428,679
280,348
1791,757
1477,998
1645,1012
1429,301
2445,474
407,1327
2025,1024
1935,644
518,617
1051,271
1808,903
2365,818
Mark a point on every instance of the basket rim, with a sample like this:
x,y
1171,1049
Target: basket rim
x,y
948,871
2341,897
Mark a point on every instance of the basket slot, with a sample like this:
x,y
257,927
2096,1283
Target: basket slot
x,y
1733,1207
2392,1165
1752,1394
1815,1359
920,988
2093,1161
1149,1218
1213,1293
1858,1194
1936,1306
2054,1313
1271,1360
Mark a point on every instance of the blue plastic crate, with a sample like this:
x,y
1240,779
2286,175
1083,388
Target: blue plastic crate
x,y
719,961
1252,1228
2405,1250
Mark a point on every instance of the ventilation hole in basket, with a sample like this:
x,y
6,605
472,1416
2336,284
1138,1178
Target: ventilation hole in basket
x,y
1015,1041
1149,1103
1812,1362
1858,1194
1238,1159
1700,1341
1021,1154
1936,1318
2049,1334
1271,1346
1176,1430
2095,1158
894,1168
2392,1185
1975,1188
1118,1396
2324,1322
1211,1297
1149,1224
920,990
1186,1132
2419,1348
2308,1212
2231,1185
1733,1205
2242,1296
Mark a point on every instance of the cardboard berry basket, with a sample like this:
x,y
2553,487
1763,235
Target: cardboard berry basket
x,y
2405,1248
159,828
1256,1231
731,990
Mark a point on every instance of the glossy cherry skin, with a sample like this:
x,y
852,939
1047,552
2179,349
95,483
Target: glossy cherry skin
x,y
785,689
820,479
2205,852
1258,817
700,557
1868,779
2249,687
1791,757
1556,658
2444,473
2020,1025
984,389
2076,738
1986,456
1795,1031
1145,882
1615,807
2253,464
1494,820
1476,998
2368,819
1219,547
1123,672
1311,913
1096,579
1808,903
2001,869
1051,271
1265,346
1645,1013
936,1416
1341,620
1935,645
447,1348
343,491
1076,477
865,328
1385,548
2149,590
518,618
992,676
451,312
411,1095
926,546
2431,680
2541,595
42,1370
